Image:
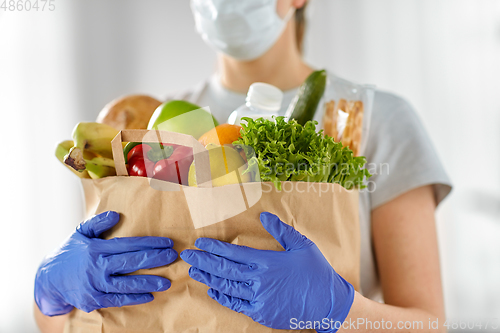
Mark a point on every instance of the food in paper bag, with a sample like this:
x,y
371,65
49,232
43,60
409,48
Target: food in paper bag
x,y
308,177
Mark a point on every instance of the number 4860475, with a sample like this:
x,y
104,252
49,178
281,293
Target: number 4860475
x,y
28,5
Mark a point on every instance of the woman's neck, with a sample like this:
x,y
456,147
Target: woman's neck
x,y
281,66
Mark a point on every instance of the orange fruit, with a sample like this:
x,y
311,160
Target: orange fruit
x,y
223,134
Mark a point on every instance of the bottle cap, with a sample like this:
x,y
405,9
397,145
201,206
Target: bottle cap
x,y
265,97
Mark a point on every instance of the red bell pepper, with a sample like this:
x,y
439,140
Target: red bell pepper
x,y
138,163
166,162
175,169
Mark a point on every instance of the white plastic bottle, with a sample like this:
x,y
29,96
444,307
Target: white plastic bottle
x,y
263,100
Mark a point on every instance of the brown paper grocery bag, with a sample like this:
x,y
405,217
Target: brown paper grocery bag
x,y
325,213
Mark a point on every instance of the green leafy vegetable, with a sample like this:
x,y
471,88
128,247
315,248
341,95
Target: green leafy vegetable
x,y
287,151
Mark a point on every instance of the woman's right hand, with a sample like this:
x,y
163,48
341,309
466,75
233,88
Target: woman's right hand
x,y
86,272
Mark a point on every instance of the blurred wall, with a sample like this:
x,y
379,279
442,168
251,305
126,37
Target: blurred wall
x,y
134,46
61,67
40,201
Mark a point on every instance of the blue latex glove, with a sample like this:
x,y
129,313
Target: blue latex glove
x,y
273,287
86,271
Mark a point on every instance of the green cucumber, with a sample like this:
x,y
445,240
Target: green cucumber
x,y
305,103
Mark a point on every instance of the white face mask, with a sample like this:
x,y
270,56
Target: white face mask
x,y
242,29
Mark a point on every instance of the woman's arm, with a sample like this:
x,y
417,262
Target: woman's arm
x,y
405,243
48,324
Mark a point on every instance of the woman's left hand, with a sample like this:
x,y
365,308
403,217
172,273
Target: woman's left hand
x,y
278,289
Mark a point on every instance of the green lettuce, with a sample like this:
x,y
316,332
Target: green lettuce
x,y
287,151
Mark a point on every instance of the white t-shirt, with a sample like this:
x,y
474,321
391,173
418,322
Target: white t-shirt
x,y
397,145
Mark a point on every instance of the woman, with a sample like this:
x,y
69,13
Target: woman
x,y
261,41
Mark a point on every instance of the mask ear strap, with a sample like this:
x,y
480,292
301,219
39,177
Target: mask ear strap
x,y
289,14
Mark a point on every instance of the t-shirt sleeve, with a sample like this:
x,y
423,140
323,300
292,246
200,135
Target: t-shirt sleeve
x,y
399,152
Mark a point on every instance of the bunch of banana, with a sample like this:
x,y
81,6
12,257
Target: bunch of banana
x,y
89,154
